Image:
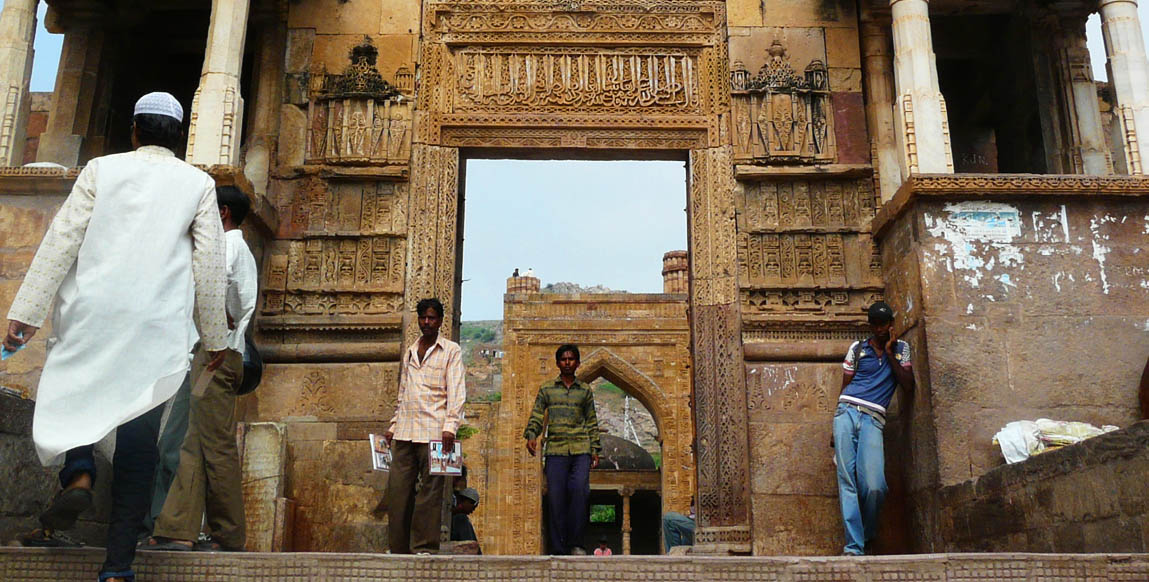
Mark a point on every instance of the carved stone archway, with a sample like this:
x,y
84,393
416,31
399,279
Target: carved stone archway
x,y
539,76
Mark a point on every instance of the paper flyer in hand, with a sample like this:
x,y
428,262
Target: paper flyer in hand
x,y
380,453
445,464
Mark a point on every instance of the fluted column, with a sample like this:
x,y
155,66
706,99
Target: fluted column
x,y
1086,143
923,130
1129,75
217,109
878,79
17,31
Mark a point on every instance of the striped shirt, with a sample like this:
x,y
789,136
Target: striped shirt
x,y
431,393
572,428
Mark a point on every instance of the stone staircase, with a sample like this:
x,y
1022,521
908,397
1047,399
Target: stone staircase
x,y
39,565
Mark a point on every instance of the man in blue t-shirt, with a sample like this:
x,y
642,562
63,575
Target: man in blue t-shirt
x,y
873,368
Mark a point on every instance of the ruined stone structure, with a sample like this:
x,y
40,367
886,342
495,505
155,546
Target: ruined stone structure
x,y
950,156
640,343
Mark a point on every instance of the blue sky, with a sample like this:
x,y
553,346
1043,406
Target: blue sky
x,y
586,222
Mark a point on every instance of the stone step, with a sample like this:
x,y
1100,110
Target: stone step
x,y
81,565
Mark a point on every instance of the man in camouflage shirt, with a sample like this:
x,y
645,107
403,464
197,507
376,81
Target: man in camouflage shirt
x,y
572,449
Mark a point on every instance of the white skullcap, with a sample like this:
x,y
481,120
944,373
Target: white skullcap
x,y
160,103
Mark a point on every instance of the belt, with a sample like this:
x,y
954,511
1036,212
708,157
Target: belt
x,y
865,410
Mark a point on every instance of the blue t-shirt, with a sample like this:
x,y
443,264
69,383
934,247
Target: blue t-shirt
x,y
873,383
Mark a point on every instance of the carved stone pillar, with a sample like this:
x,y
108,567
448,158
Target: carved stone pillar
x,y
1085,150
17,31
878,66
923,130
77,80
432,236
626,529
262,139
720,414
1129,74
217,109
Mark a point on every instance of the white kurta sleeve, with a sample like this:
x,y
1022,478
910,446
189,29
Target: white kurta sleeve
x,y
209,272
57,252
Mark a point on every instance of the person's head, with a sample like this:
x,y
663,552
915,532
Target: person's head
x,y
430,312
567,359
881,318
466,500
157,120
233,206
602,542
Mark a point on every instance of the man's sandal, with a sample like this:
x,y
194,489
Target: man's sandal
x,y
39,538
66,507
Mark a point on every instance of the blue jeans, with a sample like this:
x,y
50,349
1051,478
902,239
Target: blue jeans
x,y
858,450
677,530
568,490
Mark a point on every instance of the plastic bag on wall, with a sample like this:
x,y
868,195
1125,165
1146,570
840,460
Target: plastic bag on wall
x,y
1022,439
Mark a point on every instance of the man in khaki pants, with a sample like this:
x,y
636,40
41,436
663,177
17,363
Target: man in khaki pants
x,y
209,473
431,397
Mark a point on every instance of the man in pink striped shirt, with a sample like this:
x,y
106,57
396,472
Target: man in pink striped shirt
x,y
430,407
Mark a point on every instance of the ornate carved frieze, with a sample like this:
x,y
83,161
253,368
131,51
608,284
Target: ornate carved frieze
x,y
537,79
805,250
780,116
347,271
596,75
356,117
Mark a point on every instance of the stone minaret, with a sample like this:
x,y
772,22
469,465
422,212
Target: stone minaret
x,y
674,272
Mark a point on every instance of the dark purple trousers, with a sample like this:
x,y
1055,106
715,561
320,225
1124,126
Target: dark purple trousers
x,y
568,489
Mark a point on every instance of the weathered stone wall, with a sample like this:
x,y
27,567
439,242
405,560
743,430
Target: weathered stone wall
x,y
1084,498
1022,297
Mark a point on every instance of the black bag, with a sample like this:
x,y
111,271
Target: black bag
x,y
252,368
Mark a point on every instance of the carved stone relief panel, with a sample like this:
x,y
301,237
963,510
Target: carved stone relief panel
x,y
434,219
544,74
780,116
356,117
349,260
805,250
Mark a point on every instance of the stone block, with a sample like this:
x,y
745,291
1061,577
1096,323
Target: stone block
x,y
850,128
843,49
1115,535
300,44
325,392
311,431
846,79
400,18
16,415
292,136
826,14
802,45
264,456
335,17
792,459
797,525
23,226
14,264
744,13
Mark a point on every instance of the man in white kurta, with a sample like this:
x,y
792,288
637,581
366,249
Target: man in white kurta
x,y
136,247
